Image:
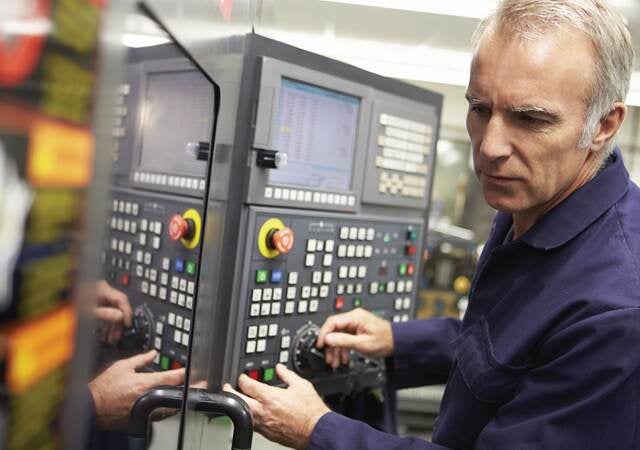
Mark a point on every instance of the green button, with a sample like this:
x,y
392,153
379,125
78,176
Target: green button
x,y
191,268
268,374
411,235
164,363
402,269
382,287
357,302
262,276
387,237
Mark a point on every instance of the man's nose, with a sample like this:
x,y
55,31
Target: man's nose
x,y
496,142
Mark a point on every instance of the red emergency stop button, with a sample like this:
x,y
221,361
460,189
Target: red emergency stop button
x,y
410,250
180,228
254,373
281,240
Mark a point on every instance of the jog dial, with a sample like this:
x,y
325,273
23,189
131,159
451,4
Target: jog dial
x,y
308,360
138,338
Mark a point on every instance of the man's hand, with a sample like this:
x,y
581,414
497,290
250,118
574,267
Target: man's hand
x,y
113,310
116,389
286,416
357,330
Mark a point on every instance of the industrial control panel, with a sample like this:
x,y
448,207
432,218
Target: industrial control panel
x,y
236,236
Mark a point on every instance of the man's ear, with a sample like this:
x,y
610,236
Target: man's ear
x,y
608,126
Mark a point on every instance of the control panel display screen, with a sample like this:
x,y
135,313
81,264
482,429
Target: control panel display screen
x,y
176,110
316,128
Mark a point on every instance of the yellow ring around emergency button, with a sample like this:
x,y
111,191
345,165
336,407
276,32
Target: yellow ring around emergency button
x,y
269,225
197,222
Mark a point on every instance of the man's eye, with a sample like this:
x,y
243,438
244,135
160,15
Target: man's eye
x,y
480,110
531,120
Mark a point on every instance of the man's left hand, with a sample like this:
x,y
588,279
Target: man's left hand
x,y
286,416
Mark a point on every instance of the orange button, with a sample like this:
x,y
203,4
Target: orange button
x,y
410,269
178,227
339,303
283,240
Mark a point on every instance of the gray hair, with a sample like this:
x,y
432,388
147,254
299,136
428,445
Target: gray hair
x,y
601,24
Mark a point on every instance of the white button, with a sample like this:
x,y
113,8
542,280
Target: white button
x,y
164,278
343,200
182,285
408,286
343,272
353,271
252,332
262,345
306,292
177,336
324,291
396,319
158,343
291,292
311,245
256,295
139,270
147,258
353,233
373,287
368,251
314,291
277,294
316,277
139,255
153,290
316,197
185,339
159,327
186,325
263,330
251,347
405,317
323,197
289,307
362,233
328,246
400,286
189,302
173,297
127,248
153,275
135,209
313,306
351,251
371,233
351,201
406,303
285,342
121,206
340,289
397,304
319,246
121,246
277,193
327,277
284,356
158,227
309,260
344,233
268,192
302,306
362,271
178,321
255,310
156,242
144,287
342,250
359,288
115,206
181,299
126,226
273,330
143,225
391,287
293,277
166,263
275,308
349,288
133,227
172,319
331,198
127,208
267,294
162,293
307,196
327,260
265,309
114,221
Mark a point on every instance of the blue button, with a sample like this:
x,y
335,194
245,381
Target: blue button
x,y
179,265
276,276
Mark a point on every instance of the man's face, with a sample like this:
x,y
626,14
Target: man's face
x,y
526,113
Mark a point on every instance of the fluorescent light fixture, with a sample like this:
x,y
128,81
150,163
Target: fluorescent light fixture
x,y
476,9
135,40
26,27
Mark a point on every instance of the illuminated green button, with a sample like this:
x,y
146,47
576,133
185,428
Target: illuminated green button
x,y
262,276
268,374
382,287
387,237
412,235
402,269
191,268
164,363
357,302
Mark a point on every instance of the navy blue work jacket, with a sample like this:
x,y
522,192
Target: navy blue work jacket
x,y
548,354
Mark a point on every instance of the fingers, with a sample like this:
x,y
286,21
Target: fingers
x,y
345,340
255,389
111,296
337,322
169,377
254,405
108,315
288,376
141,360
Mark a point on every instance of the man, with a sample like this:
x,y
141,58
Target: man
x,y
547,355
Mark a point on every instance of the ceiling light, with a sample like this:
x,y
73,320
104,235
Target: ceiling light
x,y
135,40
26,27
478,9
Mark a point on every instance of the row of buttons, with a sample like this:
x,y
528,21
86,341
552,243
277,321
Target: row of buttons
x,y
168,180
123,207
310,260
390,287
274,308
121,246
275,294
166,362
355,251
349,288
352,272
402,303
401,166
151,226
309,197
401,318
357,233
177,298
340,302
126,225
155,241
120,263
405,124
402,155
316,245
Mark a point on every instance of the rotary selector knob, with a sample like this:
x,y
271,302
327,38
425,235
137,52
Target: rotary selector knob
x,y
307,358
139,337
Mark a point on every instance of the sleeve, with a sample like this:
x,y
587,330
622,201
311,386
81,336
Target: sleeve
x,y
583,392
336,432
423,352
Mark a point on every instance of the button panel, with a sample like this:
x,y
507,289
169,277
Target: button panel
x,y
336,265
156,273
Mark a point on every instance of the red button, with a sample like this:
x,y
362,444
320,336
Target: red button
x,y
178,227
410,268
339,303
282,240
410,250
176,364
255,374
124,279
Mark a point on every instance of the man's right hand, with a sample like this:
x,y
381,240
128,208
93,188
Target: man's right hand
x,y
357,330
117,388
